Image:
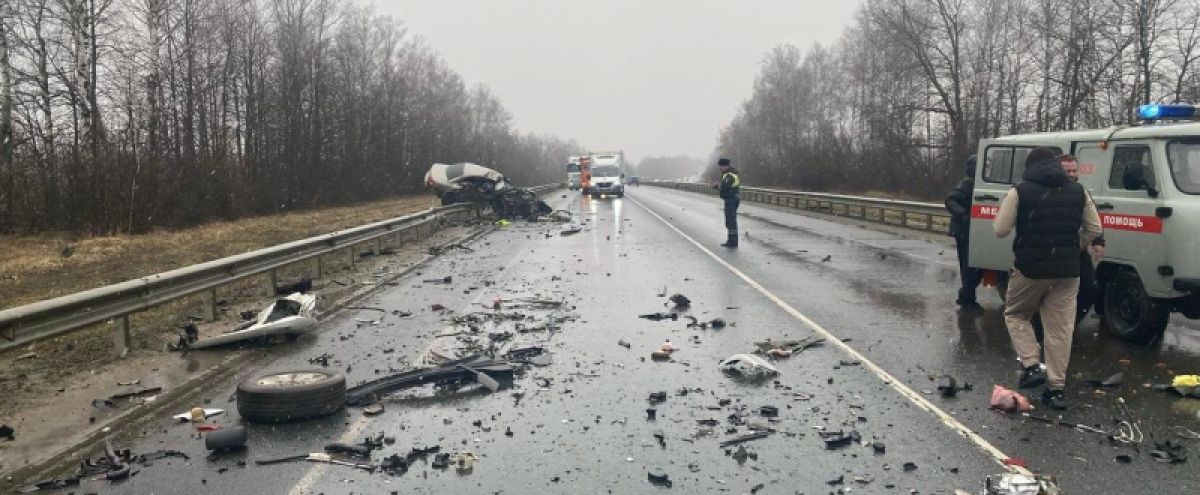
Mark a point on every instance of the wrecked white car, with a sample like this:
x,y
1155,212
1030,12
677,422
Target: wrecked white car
x,y
289,317
470,183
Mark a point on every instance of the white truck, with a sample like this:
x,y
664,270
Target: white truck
x,y
608,176
574,173
1145,181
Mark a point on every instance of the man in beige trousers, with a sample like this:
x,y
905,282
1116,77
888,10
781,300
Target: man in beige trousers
x,y
1054,218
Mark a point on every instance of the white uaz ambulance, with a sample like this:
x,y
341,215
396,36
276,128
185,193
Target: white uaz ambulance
x,y
1145,181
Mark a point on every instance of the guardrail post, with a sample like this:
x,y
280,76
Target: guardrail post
x,y
379,246
120,326
350,255
272,282
320,268
208,304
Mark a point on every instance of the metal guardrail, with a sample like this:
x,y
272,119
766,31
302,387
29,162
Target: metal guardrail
x,y
930,217
24,324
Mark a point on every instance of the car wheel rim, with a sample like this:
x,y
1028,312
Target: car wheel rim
x,y
291,379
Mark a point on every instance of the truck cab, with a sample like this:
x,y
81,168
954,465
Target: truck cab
x,y
608,178
1145,181
574,174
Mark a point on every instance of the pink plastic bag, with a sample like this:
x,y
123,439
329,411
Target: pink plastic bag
x,y
1009,400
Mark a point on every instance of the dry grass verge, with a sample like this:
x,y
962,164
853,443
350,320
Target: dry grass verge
x,y
34,268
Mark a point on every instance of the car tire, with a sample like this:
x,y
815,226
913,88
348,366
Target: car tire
x,y
1130,313
291,395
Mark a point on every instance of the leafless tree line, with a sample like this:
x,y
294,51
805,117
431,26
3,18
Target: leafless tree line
x,y
124,115
903,98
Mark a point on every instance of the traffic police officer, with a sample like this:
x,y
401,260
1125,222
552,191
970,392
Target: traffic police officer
x,y
730,188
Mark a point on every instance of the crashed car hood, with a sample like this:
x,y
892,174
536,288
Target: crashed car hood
x,y
445,177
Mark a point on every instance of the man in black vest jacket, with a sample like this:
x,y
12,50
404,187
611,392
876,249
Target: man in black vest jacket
x,y
1054,218
958,203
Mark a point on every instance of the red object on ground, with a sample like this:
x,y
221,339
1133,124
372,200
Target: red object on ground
x,y
1009,401
1016,461
207,427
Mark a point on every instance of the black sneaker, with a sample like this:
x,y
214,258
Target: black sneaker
x,y
969,305
1033,376
1056,399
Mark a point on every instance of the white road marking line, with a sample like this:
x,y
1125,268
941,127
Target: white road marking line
x,y
887,378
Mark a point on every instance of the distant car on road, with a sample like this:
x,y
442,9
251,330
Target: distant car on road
x,y
632,181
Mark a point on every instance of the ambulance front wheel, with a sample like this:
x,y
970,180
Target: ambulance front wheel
x,y
1129,312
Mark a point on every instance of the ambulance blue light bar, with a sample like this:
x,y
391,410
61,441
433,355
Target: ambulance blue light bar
x,y
1162,111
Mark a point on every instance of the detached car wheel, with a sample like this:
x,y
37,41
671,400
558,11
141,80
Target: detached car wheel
x,y
1131,314
294,395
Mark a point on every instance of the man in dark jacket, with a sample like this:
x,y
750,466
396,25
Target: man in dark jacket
x,y
730,190
1054,219
958,203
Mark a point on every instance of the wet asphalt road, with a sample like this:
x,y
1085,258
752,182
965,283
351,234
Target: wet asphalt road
x,y
581,424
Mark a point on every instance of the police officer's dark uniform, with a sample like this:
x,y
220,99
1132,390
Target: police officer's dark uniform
x,y
730,189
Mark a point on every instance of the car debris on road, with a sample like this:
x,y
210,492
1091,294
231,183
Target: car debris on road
x,y
288,317
748,366
786,348
1009,400
460,370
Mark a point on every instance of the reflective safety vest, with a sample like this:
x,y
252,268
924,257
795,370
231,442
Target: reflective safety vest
x,y
731,185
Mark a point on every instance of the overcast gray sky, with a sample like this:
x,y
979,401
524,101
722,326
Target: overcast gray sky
x,y
652,77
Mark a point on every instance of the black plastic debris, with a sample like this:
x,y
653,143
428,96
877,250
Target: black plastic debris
x,y
441,461
302,286
659,478
362,451
745,438
1112,381
230,439
948,386
1169,452
50,484
1124,458
103,404
840,480
769,411
135,393
322,360
651,413
708,422
394,465
838,439
658,397
624,344
680,301
879,447
7,433
910,466
473,368
660,316
661,438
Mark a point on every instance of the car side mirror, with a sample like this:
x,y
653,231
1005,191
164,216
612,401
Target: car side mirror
x,y
1134,179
